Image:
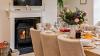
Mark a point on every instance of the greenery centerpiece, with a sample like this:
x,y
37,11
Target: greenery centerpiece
x,y
72,17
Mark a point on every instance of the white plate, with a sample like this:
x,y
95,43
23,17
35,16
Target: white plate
x,y
97,43
98,39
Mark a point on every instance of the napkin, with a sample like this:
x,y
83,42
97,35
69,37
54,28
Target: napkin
x,y
86,42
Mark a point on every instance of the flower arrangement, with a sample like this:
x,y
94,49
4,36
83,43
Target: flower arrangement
x,y
72,17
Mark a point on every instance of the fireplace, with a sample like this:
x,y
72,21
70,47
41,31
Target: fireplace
x,y
23,40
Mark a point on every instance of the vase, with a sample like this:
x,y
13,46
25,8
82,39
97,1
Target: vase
x,y
73,29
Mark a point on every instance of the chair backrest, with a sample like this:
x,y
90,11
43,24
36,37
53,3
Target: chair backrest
x,y
50,44
98,23
87,27
70,47
36,41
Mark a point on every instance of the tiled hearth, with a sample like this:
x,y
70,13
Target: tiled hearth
x,y
28,54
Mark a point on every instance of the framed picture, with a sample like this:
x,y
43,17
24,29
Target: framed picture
x,y
83,1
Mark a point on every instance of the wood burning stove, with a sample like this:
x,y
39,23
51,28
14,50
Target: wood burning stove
x,y
23,40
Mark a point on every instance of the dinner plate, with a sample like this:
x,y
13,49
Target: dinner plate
x,y
97,43
98,39
90,47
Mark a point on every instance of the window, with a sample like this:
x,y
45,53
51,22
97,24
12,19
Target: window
x,y
96,11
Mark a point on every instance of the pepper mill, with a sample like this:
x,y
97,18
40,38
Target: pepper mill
x,y
78,34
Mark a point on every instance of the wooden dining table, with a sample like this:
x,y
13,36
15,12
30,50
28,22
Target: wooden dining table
x,y
92,52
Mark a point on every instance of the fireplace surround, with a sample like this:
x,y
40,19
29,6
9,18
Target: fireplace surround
x,y
18,16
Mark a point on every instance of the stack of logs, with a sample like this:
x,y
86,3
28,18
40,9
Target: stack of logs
x,y
4,48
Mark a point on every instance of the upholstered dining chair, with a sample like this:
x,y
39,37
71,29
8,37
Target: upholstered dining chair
x,y
70,47
50,44
36,41
98,23
86,27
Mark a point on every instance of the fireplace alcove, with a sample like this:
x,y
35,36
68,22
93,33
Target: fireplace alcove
x,y
23,40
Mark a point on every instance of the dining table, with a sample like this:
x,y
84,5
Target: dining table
x,y
92,51
89,51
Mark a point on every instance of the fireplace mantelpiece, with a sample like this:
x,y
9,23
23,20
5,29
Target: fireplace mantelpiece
x,y
47,12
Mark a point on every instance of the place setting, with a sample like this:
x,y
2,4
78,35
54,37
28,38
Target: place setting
x,y
90,40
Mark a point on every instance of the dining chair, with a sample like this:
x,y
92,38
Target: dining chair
x,y
50,44
97,24
36,41
87,27
70,47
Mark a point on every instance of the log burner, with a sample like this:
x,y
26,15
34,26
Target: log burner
x,y
23,40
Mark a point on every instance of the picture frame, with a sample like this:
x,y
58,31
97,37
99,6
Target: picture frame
x,y
83,1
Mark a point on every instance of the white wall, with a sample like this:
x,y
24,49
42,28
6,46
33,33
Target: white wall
x,y
86,7
96,11
49,14
50,11
4,21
